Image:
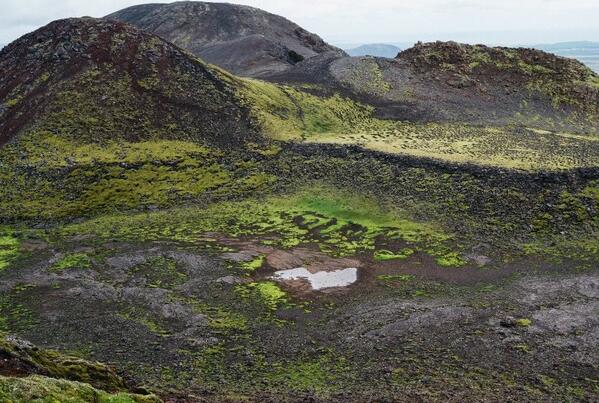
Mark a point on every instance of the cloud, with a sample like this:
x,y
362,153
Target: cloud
x,y
506,21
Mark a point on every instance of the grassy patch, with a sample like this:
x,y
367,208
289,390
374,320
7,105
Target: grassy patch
x,y
288,114
385,255
253,264
73,261
267,292
9,250
341,224
507,147
36,388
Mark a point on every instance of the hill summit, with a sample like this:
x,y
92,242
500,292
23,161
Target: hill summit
x,y
86,77
243,40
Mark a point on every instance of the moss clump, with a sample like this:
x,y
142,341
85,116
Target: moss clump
x,y
523,322
385,255
57,365
13,102
73,261
267,292
253,264
9,250
450,260
225,321
36,388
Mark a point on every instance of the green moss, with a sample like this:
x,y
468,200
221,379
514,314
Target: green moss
x,y
450,260
321,376
223,320
384,255
13,102
146,319
40,389
340,223
9,250
253,264
58,365
267,292
507,147
523,322
73,261
161,272
52,177
288,114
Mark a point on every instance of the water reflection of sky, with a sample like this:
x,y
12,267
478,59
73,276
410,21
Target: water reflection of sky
x,y
320,280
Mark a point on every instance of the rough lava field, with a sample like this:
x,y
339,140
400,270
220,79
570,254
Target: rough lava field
x,y
424,228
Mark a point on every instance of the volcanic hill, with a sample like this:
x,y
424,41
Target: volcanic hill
x,y
243,40
452,82
442,209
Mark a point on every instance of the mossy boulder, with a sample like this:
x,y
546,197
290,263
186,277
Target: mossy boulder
x,y
41,389
20,358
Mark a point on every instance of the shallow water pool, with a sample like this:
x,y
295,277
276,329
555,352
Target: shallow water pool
x,y
321,279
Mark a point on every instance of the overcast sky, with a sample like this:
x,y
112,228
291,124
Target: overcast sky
x,y
506,22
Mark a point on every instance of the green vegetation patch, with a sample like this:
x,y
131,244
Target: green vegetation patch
x,y
288,114
523,322
253,264
395,277
267,292
41,389
385,255
161,272
73,261
51,177
507,147
339,223
9,249
318,376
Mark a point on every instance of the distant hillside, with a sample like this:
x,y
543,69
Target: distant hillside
x,y
243,40
585,51
447,81
379,50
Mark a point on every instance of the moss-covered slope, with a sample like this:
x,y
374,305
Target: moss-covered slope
x,y
94,80
28,373
452,82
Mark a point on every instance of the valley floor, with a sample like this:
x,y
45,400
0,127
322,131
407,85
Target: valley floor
x,y
418,281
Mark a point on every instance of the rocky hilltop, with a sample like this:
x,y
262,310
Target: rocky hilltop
x,y
104,80
243,40
452,82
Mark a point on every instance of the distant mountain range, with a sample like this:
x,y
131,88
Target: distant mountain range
x,y
375,49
